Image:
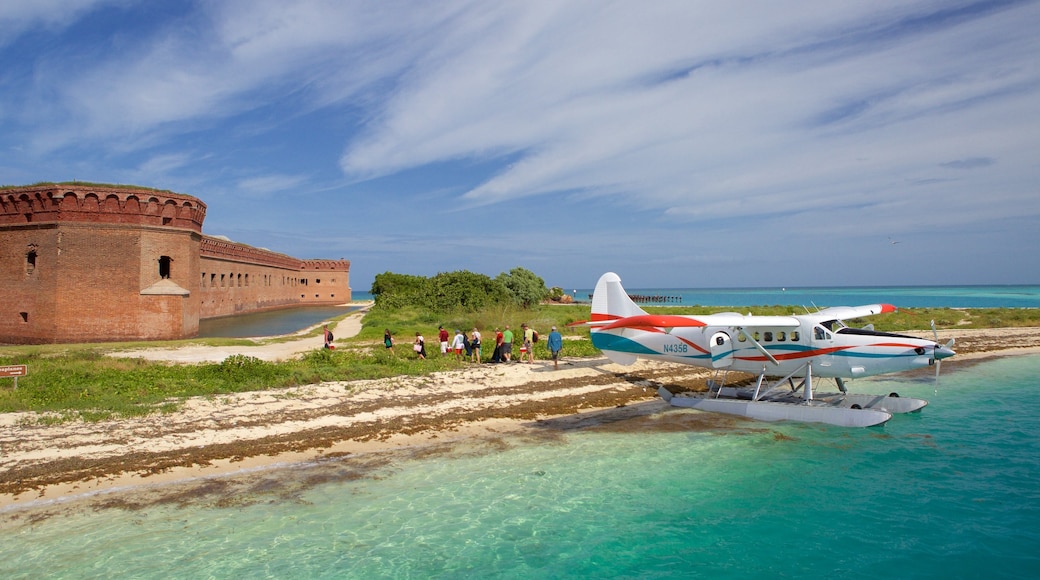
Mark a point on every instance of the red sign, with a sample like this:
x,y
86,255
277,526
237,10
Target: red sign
x,y
13,371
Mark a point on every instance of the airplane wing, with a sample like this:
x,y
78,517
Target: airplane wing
x,y
850,312
655,321
728,319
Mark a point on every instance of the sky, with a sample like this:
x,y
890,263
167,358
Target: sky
x,y
680,144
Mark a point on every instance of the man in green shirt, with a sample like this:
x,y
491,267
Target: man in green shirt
x,y
507,344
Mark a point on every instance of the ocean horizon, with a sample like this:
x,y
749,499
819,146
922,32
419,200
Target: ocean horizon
x,y
978,296
963,296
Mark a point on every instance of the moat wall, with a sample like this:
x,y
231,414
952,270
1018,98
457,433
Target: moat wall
x,y
87,264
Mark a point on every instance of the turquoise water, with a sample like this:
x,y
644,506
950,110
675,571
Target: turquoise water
x,y
901,296
953,491
270,323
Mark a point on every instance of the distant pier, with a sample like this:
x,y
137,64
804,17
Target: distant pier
x,y
652,298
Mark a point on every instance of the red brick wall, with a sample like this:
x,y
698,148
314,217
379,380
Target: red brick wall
x,y
27,296
230,287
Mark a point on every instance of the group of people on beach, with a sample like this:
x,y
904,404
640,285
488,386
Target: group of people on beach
x,y
471,345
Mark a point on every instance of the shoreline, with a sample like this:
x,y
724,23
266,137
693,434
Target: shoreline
x,y
224,436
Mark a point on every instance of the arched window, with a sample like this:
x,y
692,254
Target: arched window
x,y
164,266
30,260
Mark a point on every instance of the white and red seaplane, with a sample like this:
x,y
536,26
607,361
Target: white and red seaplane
x,y
778,348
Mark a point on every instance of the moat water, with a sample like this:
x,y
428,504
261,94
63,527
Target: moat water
x,y
272,323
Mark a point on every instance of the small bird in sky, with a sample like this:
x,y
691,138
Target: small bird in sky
x,y
891,241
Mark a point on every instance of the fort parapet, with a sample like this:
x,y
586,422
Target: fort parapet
x,y
87,263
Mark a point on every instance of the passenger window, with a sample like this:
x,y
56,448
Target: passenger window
x,y
741,337
769,336
794,336
781,336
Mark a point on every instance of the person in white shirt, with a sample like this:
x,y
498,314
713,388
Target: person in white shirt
x,y
475,343
457,344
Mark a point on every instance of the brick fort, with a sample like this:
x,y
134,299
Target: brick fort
x,y
88,263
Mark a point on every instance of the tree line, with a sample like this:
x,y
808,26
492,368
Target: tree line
x,y
459,290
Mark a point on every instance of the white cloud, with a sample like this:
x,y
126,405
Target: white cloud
x,y
778,110
736,120
267,184
20,16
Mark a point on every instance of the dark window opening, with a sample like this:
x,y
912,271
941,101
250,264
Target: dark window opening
x,y
166,221
28,217
30,262
25,316
164,266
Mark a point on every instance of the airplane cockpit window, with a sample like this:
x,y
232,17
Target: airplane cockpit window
x,y
821,333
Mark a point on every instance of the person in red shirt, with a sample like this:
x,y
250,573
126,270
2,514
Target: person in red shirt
x,y
442,335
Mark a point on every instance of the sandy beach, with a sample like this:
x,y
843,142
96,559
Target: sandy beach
x,y
217,435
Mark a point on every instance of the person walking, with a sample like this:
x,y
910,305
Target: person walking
x,y
328,336
555,345
497,356
507,345
442,335
528,346
388,341
475,343
419,346
458,343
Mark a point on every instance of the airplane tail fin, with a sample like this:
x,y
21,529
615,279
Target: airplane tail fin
x,y
610,301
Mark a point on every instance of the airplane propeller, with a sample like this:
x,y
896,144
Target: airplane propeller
x,y
939,353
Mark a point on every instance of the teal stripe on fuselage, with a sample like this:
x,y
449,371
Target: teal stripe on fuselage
x,y
853,354
613,342
608,341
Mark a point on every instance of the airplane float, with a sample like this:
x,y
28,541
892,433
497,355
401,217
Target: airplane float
x,y
780,348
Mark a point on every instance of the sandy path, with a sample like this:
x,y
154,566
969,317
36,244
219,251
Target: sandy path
x,y
265,348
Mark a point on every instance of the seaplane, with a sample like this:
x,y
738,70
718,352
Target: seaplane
x,y
777,349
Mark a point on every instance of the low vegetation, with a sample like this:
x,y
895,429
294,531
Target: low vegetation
x,y
81,382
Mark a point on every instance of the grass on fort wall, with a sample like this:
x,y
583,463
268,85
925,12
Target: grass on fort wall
x,y
85,184
68,382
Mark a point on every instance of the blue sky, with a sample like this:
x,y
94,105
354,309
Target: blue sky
x,y
679,144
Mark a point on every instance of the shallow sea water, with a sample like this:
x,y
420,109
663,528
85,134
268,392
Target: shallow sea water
x,y
949,492
999,296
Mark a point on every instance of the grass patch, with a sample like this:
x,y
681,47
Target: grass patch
x,y
67,382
